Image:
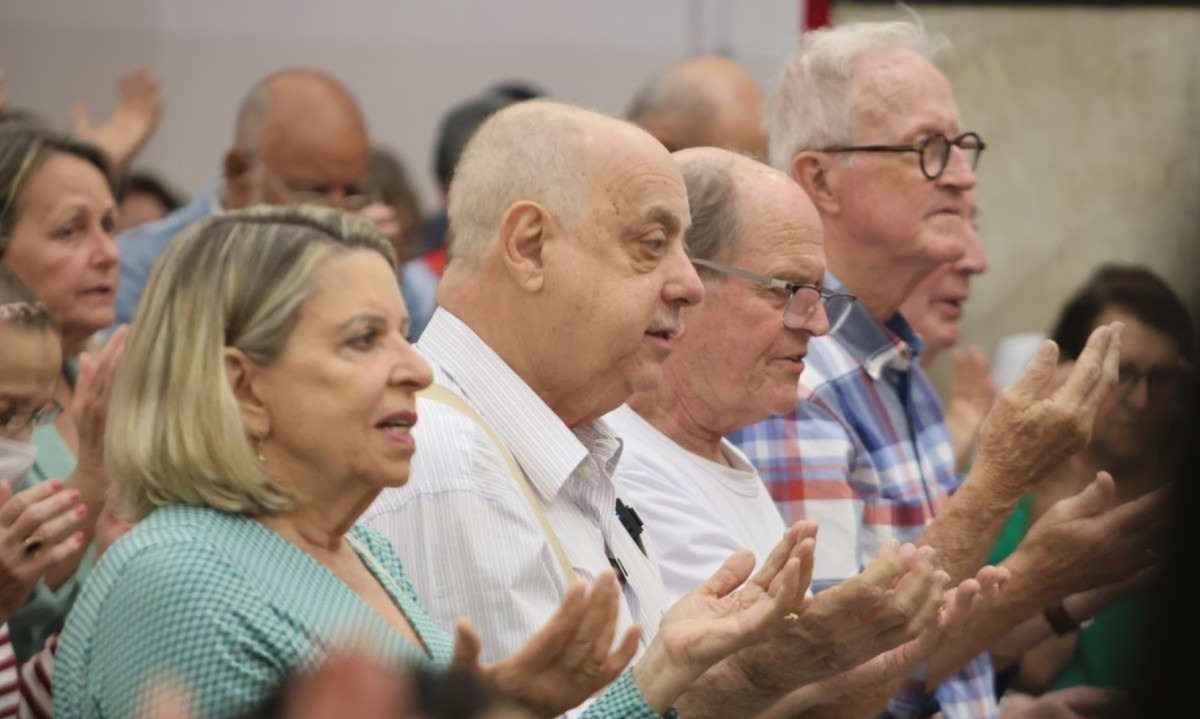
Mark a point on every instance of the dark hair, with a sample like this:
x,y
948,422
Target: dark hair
x,y
147,183
23,148
1133,289
457,127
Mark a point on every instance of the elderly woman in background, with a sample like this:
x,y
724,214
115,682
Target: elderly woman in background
x,y
56,216
267,397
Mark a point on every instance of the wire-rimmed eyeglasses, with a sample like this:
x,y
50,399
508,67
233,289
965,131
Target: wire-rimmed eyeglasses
x,y
803,300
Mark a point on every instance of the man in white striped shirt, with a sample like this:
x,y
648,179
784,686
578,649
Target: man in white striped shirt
x,y
562,298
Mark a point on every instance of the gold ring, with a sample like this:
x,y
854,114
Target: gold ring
x,y
791,617
33,545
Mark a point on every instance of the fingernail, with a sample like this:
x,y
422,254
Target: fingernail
x,y
74,495
56,484
77,540
81,510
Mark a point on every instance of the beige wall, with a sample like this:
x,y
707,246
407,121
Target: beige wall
x,y
1092,119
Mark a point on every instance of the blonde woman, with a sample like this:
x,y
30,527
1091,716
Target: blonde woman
x,y
266,398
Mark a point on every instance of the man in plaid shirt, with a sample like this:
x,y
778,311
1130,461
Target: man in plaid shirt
x,y
868,126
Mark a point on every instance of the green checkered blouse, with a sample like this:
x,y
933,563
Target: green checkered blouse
x,y
230,608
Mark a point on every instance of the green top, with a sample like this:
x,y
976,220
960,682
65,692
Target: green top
x,y
230,608
1108,651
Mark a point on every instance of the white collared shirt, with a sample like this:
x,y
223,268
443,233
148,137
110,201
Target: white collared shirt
x,y
465,532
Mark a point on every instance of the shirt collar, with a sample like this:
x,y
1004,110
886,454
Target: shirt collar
x,y
876,345
547,449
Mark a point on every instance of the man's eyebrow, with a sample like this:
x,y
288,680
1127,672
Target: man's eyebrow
x,y
663,216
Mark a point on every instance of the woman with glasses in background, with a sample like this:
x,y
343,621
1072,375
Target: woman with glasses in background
x,y
1139,436
57,213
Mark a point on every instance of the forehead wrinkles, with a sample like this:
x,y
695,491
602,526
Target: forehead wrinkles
x,y
895,90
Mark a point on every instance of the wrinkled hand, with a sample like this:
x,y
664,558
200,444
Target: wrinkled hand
x,y
45,511
567,661
1080,702
972,392
893,601
1033,426
139,110
716,620
971,598
1087,540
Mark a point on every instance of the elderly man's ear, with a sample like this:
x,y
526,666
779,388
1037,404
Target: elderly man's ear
x,y
237,191
813,171
525,230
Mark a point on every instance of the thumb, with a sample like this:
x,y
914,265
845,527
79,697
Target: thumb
x,y
467,646
1038,374
1091,500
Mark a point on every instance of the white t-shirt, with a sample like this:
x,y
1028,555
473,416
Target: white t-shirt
x,y
696,512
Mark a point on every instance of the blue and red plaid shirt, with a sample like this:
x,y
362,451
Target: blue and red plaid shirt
x,y
866,454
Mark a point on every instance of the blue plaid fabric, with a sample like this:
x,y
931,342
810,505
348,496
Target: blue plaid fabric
x,y
866,454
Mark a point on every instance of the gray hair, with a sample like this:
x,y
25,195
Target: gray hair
x,y
814,100
527,151
715,207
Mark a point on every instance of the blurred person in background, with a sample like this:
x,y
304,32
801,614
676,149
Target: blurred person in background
x,y
299,138
703,102
57,214
1141,434
390,184
143,197
935,310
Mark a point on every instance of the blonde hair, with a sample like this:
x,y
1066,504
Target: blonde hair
x,y
174,431
814,100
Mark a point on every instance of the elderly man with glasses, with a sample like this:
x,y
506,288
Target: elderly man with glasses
x,y
865,123
299,138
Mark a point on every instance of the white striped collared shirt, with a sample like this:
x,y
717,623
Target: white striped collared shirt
x,y
465,532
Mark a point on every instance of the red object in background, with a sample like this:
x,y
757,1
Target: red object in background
x,y
816,14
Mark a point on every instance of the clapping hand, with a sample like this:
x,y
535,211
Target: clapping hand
x,y
568,660
1037,422
38,528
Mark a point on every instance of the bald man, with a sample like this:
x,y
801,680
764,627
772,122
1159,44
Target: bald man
x,y
299,138
703,102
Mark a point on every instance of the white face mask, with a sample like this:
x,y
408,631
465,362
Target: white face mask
x,y
15,460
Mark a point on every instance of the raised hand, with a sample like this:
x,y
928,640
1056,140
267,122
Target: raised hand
x,y
1087,540
567,661
972,392
139,110
38,528
1034,426
90,409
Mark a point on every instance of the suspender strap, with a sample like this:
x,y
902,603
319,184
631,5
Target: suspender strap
x,y
444,396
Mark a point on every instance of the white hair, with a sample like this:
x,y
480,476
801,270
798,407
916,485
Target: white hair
x,y
528,151
813,103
